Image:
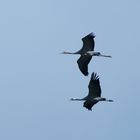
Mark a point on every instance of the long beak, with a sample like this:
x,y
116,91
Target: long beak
x,y
105,55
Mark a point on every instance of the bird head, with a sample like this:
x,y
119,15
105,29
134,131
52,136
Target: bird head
x,y
99,54
110,100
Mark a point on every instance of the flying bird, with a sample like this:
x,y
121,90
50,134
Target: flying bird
x,y
94,95
86,52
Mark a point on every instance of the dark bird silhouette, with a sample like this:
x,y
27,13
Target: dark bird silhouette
x,y
94,95
86,52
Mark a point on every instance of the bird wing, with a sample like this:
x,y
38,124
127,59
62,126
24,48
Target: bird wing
x,y
89,104
94,86
83,62
88,43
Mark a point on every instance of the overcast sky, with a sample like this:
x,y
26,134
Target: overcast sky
x,y
37,82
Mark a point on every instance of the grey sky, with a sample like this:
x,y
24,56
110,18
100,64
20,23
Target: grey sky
x,y
36,82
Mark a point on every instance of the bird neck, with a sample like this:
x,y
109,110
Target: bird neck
x,y
99,54
100,99
103,99
91,53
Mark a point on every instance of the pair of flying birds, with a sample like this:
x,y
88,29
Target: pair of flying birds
x,y
86,52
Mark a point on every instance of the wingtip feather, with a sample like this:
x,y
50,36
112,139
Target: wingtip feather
x,y
94,76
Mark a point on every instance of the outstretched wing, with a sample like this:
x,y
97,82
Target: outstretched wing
x,y
89,104
83,62
94,86
88,43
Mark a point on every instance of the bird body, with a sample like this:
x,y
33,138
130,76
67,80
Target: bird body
x,y
86,52
94,95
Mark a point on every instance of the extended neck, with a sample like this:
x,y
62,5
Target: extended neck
x,y
92,53
103,99
108,100
99,54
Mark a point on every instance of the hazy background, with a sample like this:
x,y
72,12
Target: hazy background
x,y
36,81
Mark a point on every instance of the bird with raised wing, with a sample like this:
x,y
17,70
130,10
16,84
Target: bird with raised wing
x,y
86,52
94,95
